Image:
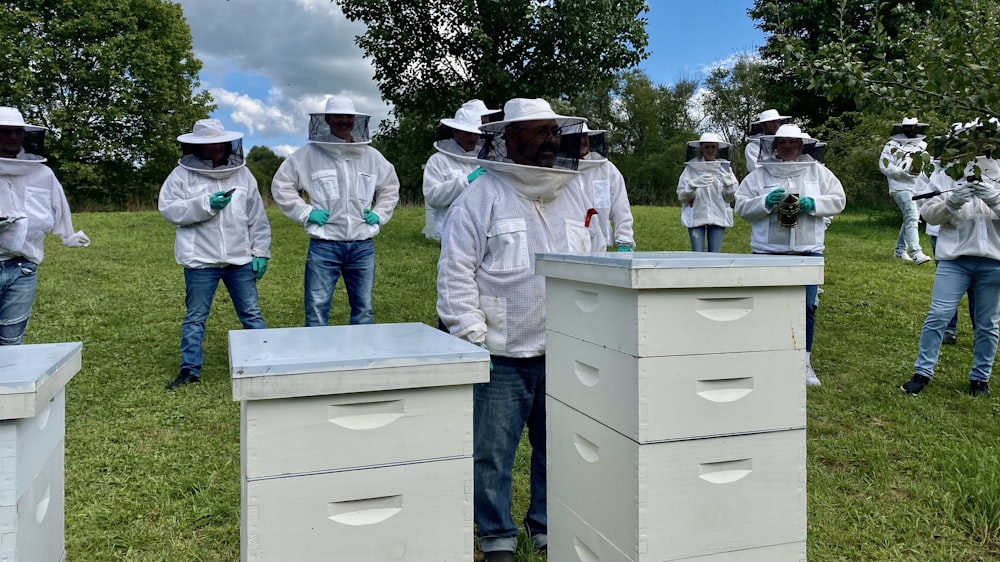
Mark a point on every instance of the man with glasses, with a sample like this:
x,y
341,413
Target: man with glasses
x,y
32,203
489,294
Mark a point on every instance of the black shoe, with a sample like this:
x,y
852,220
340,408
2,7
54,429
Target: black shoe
x,y
916,384
979,389
499,556
949,338
183,378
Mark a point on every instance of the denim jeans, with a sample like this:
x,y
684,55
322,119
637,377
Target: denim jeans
x,y
952,327
951,280
200,285
706,238
909,235
514,397
328,261
18,280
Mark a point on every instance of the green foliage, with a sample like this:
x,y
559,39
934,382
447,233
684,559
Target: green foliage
x,y
154,476
263,163
930,60
799,33
432,55
735,99
114,82
408,144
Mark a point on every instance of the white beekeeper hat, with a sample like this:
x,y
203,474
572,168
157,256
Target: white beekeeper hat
x,y
519,110
209,131
466,119
340,105
11,117
479,106
709,137
769,115
789,131
911,121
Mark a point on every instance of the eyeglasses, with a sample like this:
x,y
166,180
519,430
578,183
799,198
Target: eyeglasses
x,y
541,131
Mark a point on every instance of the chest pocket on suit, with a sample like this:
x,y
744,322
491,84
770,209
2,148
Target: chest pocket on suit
x,y
366,188
577,237
324,185
507,246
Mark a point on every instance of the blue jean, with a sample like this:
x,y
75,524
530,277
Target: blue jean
x,y
18,281
909,235
514,397
951,280
706,238
199,286
328,261
952,327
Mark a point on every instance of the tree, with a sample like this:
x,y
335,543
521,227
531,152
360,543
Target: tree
x,y
941,63
432,55
648,129
807,27
734,98
113,80
263,163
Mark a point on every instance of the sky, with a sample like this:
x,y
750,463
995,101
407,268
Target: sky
x,y
269,63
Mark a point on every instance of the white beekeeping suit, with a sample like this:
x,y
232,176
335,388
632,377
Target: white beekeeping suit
x,y
604,186
447,172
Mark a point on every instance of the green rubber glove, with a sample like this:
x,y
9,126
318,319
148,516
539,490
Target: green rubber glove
x,y
259,265
624,248
218,200
475,174
371,218
806,205
318,216
774,197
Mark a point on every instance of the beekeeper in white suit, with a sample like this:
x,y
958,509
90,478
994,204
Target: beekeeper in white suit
x,y
489,294
453,167
31,204
604,187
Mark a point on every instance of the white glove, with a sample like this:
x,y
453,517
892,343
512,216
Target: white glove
x,y
987,193
76,240
960,196
728,179
703,180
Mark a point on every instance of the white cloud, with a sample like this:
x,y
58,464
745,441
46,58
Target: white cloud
x,y
269,63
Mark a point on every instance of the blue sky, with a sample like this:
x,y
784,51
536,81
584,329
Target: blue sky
x,y
269,63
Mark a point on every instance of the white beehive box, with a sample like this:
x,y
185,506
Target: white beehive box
x,y
356,442
677,499
32,429
677,397
415,512
676,406
725,303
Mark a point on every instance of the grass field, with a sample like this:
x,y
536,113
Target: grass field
x,y
154,475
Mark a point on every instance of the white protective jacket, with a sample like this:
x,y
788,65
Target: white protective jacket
x,y
209,238
752,153
445,178
604,188
973,229
706,203
895,161
31,194
807,178
342,178
487,287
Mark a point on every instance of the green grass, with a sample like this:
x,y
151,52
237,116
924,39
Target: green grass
x,y
154,475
